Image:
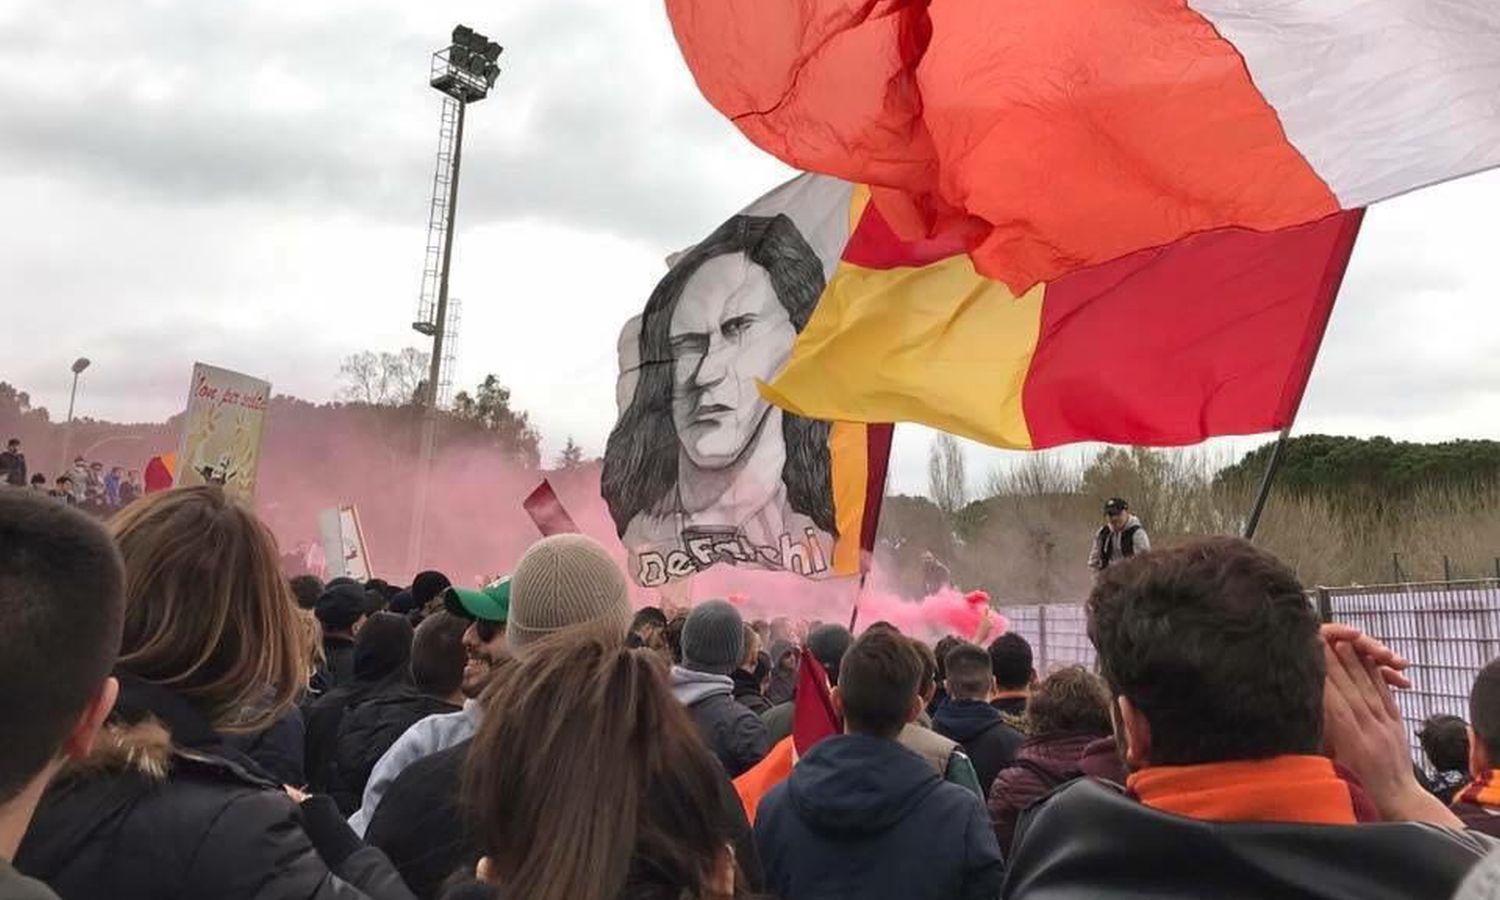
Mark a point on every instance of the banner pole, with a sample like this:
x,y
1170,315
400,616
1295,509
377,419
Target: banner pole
x,y
854,613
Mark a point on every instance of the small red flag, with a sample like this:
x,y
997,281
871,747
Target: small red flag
x,y
160,472
547,511
813,717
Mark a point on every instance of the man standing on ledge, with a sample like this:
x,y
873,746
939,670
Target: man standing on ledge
x,y
1121,537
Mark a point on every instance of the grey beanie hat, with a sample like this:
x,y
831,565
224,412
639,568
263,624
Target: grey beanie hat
x,y
713,638
561,581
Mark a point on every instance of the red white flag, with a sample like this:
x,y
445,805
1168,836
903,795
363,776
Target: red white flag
x,y
547,511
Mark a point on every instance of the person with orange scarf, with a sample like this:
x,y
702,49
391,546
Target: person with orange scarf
x,y
1257,743
1478,802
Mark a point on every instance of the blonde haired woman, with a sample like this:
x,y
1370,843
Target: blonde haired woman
x,y
165,807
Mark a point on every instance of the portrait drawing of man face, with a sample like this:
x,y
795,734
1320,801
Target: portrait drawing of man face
x,y
723,319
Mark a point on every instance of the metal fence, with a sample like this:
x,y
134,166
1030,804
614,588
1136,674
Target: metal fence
x,y
1447,630
1056,632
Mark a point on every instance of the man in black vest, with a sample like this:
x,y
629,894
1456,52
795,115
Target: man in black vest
x,y
1121,537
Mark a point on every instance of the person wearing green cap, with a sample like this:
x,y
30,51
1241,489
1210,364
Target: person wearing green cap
x,y
487,610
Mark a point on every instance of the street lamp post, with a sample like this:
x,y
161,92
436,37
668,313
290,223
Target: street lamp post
x,y
79,365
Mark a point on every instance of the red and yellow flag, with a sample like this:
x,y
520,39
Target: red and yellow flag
x,y
1213,335
1064,134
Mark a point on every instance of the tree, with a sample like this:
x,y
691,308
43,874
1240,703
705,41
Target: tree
x,y
1358,470
571,457
945,474
384,379
1035,475
13,400
488,411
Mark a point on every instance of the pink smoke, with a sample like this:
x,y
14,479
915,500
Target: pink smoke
x,y
948,611
476,528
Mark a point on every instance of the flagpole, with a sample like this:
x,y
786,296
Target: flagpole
x,y
854,613
1266,480
1333,278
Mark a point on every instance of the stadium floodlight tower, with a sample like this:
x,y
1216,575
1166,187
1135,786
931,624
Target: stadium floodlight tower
x,y
464,72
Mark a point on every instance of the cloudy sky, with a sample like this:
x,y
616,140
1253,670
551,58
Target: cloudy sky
x,y
247,184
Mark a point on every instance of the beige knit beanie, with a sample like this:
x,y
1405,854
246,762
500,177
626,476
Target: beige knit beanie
x,y
561,581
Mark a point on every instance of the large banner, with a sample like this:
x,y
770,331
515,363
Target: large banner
x,y
700,469
221,432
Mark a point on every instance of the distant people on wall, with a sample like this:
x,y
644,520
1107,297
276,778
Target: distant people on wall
x,y
131,488
13,464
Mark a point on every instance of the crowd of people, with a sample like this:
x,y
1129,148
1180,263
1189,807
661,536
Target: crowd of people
x,y
90,486
183,721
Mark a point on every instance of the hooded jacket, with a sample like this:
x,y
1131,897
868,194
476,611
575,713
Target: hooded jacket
x,y
369,729
731,731
382,664
863,817
986,737
783,682
1088,841
1041,764
164,809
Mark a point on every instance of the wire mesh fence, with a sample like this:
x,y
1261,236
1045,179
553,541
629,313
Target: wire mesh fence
x,y
1447,630
1057,633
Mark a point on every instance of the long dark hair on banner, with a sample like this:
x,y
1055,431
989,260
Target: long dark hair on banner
x,y
640,459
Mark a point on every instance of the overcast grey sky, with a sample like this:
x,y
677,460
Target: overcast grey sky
x,y
246,184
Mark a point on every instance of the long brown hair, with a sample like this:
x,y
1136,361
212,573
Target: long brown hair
x,y
208,613
587,779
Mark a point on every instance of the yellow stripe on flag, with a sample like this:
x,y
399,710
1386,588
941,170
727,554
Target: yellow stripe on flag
x,y
898,345
849,456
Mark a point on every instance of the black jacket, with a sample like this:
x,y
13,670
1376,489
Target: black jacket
x,y
990,743
420,824
382,668
865,817
1088,840
747,692
279,749
166,810
367,730
324,716
732,732
338,664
